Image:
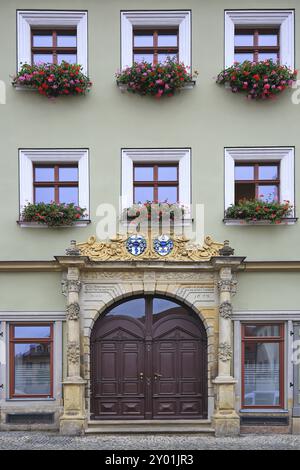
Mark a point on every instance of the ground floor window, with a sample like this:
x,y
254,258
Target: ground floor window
x,y
31,360
262,365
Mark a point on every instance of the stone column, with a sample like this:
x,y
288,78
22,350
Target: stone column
x,y
73,420
225,419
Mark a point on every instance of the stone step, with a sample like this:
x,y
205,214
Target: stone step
x,y
149,426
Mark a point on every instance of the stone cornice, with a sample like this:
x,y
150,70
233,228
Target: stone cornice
x,y
55,266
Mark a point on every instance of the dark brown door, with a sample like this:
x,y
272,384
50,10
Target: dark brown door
x,y
148,360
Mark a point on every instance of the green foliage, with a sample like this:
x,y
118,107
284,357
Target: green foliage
x,y
262,80
52,214
256,209
156,80
53,80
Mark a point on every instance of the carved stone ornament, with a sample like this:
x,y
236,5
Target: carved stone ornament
x,y
227,285
73,311
225,310
70,286
73,352
116,250
225,352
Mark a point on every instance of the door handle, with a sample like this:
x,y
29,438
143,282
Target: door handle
x,y
157,375
141,375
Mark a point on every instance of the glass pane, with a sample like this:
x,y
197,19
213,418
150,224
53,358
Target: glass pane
x,y
68,195
42,58
42,40
268,193
167,173
242,56
163,57
143,173
66,40
68,174
44,195
167,194
143,58
268,40
143,40
268,172
262,330
244,172
267,56
32,331
44,174
261,374
244,191
142,194
162,307
70,58
135,308
167,40
243,40
32,369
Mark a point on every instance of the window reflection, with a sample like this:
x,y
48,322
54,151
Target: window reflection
x,y
134,308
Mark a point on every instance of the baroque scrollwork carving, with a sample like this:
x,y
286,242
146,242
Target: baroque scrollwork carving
x,y
227,285
225,310
73,311
73,352
225,352
115,250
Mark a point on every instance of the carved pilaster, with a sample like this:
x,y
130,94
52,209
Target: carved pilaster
x,y
73,311
225,310
73,352
225,352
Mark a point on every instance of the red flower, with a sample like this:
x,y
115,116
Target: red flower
x,y
256,77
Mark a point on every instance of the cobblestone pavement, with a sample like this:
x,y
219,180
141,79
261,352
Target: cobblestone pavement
x,y
53,441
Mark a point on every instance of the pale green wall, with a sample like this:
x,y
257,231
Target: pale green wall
x,y
206,119
271,291
31,292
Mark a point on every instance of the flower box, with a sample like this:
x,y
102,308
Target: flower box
x,y
164,79
259,212
52,215
53,80
243,223
259,81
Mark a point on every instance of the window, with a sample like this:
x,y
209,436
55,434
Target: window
x,y
52,36
155,45
54,46
60,175
266,173
155,35
155,182
262,365
57,182
156,175
31,360
259,35
256,44
257,180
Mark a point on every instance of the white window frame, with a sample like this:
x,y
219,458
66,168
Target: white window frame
x,y
28,157
159,18
284,155
285,19
131,156
53,18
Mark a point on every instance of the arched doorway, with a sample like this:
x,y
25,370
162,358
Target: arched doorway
x,y
148,361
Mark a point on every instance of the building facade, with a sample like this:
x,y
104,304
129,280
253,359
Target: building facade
x,y
148,328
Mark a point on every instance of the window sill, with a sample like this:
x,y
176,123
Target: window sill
x,y
188,86
79,223
241,222
184,223
264,410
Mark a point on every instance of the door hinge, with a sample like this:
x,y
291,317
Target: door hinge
x,y
291,384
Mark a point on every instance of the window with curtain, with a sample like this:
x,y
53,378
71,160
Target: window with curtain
x,y
31,360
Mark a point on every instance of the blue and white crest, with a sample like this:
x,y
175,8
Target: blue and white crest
x,y
163,245
136,245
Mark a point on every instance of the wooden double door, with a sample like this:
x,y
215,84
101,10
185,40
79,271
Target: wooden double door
x,y
148,361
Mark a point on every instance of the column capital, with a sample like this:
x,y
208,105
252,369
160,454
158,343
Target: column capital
x,y
227,285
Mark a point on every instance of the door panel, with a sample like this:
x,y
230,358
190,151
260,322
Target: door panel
x,y
149,365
